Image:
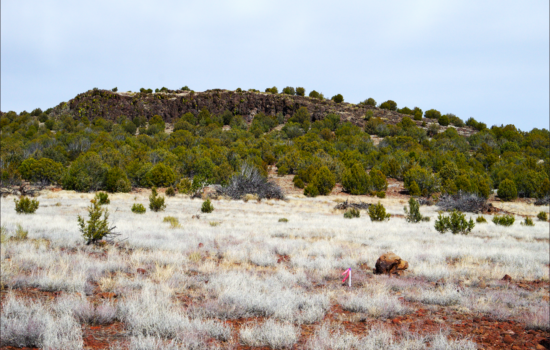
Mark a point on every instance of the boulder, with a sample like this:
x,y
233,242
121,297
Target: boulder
x,y
390,263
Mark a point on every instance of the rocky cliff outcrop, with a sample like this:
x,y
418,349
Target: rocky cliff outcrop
x,y
171,105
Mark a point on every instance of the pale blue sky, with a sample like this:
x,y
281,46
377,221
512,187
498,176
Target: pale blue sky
x,y
484,59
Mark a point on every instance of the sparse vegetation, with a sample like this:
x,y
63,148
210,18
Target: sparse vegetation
x,y
20,233
156,202
25,205
413,213
504,220
102,198
481,220
207,206
276,261
542,216
377,212
173,221
528,222
455,222
138,208
96,227
352,213
170,192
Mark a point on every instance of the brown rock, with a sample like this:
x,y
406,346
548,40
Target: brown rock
x,y
141,271
508,339
390,263
507,278
107,295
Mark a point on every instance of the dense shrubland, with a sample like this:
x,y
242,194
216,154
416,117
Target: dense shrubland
x,y
91,153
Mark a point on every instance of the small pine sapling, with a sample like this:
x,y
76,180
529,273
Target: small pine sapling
x,y
97,226
138,208
25,205
377,212
102,198
413,213
528,222
456,223
156,202
207,206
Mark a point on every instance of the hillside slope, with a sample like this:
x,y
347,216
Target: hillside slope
x,y
172,104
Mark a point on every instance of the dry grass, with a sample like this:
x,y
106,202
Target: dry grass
x,y
236,270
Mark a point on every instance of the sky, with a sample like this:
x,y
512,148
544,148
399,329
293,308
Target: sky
x,y
483,59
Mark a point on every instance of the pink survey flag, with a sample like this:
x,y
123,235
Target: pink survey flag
x,y
348,274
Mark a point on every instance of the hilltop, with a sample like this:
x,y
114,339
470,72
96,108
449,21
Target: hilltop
x,y
172,104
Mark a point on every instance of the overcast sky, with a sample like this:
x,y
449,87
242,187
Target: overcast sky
x,y
483,59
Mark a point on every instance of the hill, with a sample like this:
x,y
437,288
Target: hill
x,y
116,141
172,104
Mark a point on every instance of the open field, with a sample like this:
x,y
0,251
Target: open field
x,y
239,278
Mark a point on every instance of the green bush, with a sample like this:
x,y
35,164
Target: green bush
x,y
96,228
207,206
405,110
378,180
44,170
102,198
324,181
481,220
414,190
456,223
370,102
157,120
355,180
389,105
338,98
504,220
427,182
381,194
87,173
298,182
185,186
368,115
138,208
170,192
160,176
283,220
377,212
117,181
528,222
542,216
300,91
443,120
289,91
311,190
413,213
507,190
156,202
352,213
432,114
301,117
25,205
314,94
